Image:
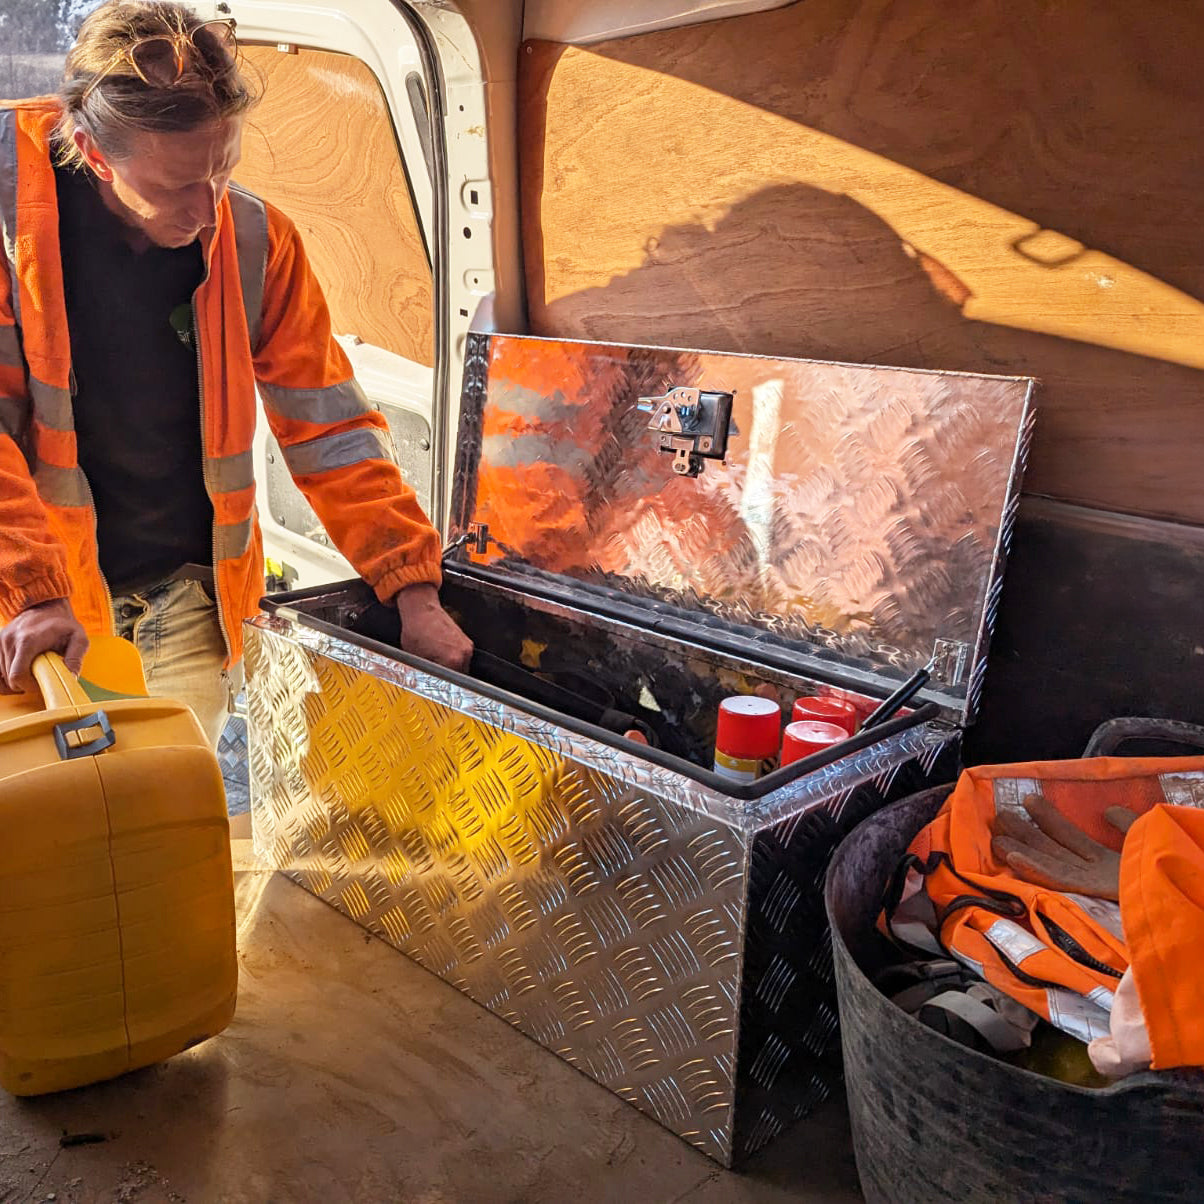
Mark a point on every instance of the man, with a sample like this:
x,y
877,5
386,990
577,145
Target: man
x,y
142,300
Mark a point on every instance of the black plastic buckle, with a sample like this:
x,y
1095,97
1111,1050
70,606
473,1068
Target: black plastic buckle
x,y
68,751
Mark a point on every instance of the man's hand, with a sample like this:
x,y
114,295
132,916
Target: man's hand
x,y
427,631
1051,851
47,627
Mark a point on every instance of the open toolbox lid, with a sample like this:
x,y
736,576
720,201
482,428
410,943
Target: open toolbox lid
x,y
851,515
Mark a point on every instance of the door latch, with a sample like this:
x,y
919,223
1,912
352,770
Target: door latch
x,y
692,425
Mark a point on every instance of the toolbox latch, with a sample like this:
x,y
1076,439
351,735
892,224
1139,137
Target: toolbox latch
x,y
70,737
692,425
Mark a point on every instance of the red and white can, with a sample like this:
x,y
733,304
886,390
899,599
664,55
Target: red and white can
x,y
747,737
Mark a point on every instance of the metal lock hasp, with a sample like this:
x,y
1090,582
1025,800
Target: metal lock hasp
x,y
477,537
692,425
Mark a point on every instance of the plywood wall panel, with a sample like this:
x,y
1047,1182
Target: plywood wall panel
x,y
987,186
320,145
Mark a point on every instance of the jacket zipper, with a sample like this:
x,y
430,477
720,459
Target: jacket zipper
x,y
1071,947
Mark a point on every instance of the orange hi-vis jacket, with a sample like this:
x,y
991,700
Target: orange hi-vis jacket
x,y
1061,954
260,319
1162,902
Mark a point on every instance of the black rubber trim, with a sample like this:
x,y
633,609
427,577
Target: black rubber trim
x,y
1111,734
438,245
664,619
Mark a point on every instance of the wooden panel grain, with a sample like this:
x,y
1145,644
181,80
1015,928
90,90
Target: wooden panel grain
x,y
986,187
320,145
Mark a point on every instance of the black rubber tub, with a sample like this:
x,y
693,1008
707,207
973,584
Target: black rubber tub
x,y
935,1121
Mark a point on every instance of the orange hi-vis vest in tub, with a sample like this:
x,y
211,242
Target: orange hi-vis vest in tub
x,y
1059,953
260,320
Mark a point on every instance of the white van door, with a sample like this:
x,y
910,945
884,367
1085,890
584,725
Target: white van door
x,y
341,143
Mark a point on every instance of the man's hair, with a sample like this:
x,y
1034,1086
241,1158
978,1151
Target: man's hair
x,y
103,94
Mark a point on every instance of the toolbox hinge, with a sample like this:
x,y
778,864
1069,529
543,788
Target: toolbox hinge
x,y
950,661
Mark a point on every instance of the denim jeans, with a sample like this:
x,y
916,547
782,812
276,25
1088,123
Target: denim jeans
x,y
175,627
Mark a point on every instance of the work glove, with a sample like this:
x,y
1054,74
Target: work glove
x,y
1126,1049
1052,851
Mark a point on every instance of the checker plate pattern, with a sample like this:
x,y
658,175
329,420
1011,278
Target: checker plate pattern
x,y
658,937
595,918
789,1054
862,510
232,760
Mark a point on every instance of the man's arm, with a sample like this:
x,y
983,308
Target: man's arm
x,y
33,563
340,454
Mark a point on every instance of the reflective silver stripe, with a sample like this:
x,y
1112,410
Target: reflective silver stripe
x,y
62,486
51,406
531,403
335,403
10,347
12,416
337,451
251,239
8,199
228,474
514,451
231,540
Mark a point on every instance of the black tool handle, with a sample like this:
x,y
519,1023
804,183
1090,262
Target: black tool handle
x,y
901,697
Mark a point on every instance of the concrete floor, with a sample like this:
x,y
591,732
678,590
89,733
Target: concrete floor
x,y
350,1074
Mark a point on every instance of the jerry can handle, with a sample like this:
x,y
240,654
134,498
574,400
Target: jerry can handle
x,y
58,684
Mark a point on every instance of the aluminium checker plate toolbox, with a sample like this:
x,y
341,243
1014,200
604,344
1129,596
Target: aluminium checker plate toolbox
x,y
658,927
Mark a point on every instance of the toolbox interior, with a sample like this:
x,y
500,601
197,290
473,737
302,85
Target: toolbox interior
x,y
671,685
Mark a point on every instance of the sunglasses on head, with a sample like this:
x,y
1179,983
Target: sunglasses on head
x,y
161,60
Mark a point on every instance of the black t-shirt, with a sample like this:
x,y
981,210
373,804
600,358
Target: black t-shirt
x,y
136,397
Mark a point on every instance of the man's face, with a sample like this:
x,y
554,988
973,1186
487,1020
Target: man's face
x,y
169,186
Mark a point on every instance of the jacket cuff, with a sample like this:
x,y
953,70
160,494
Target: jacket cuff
x,y
32,593
391,583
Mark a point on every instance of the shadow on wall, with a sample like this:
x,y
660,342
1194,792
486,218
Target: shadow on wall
x,y
853,180
1004,189
1093,623
1084,116
797,271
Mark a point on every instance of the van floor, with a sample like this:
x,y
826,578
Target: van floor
x,y
351,1074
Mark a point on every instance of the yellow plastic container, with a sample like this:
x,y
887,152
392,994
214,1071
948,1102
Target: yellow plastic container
x,y
117,933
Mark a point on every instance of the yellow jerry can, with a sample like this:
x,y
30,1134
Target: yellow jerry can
x,y
117,933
